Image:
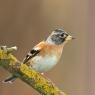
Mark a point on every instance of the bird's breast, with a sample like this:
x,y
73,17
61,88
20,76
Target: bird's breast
x,y
43,64
47,58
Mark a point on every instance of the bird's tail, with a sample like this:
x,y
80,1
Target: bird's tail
x,y
9,79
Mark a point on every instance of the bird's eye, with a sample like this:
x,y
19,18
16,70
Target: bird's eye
x,y
62,35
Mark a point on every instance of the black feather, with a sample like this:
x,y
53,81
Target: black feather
x,y
30,55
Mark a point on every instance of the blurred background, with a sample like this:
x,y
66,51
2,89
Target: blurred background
x,y
24,23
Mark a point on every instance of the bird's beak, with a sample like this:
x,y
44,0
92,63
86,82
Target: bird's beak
x,y
69,38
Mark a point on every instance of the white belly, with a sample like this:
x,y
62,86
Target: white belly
x,y
44,64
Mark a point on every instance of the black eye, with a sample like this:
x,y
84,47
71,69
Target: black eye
x,y
62,35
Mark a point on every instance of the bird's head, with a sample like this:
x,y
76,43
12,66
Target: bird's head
x,y
58,37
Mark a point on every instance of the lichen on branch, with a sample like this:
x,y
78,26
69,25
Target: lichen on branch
x,y
30,76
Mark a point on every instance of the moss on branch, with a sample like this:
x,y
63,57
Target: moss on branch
x,y
30,76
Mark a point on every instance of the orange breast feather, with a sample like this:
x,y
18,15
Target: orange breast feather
x,y
49,49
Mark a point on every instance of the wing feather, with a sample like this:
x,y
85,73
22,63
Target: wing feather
x,y
36,50
30,55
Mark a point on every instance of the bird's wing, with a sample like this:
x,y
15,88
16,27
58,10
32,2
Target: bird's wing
x,y
30,55
33,52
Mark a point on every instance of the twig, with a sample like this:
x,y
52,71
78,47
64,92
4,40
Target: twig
x,y
30,76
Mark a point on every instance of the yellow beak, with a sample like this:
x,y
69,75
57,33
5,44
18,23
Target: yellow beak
x,y
69,38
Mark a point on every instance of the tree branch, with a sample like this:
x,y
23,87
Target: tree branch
x,y
30,76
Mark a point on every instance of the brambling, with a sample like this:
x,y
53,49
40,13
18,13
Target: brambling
x,y
47,53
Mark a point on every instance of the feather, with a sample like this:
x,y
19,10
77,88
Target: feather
x,y
30,55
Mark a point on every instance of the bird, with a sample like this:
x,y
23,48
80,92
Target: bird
x,y
46,54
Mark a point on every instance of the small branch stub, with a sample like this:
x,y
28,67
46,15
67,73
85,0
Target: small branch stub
x,y
30,76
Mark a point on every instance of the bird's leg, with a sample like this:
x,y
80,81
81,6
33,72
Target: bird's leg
x,y
42,73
